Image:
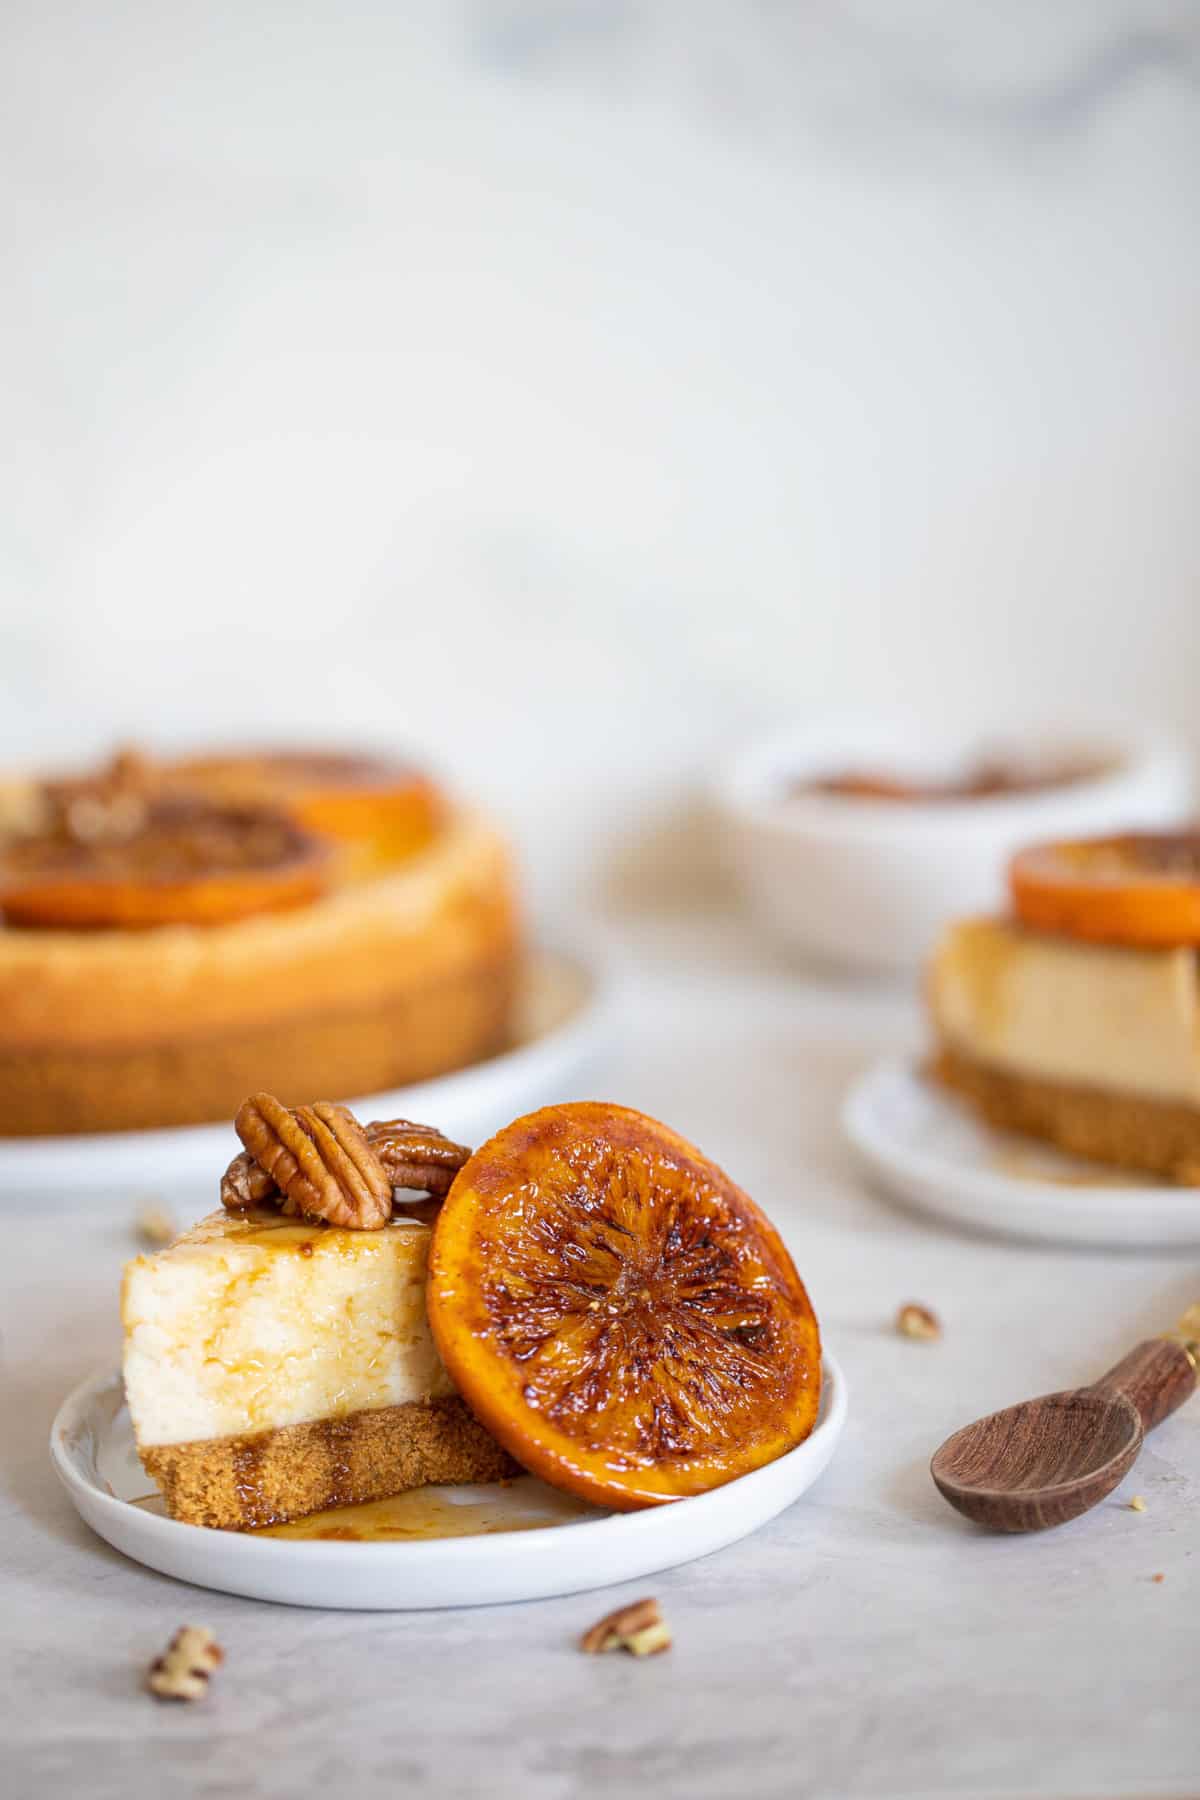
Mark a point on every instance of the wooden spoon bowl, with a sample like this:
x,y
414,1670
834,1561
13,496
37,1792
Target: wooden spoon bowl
x,y
1042,1462
1045,1461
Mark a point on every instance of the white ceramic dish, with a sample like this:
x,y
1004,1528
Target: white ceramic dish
x,y
563,1019
869,884
91,1445
931,1153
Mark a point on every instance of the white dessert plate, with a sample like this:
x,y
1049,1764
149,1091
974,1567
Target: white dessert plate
x,y
563,1014
929,1151
531,1543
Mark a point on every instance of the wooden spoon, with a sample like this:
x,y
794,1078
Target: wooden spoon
x,y
1046,1461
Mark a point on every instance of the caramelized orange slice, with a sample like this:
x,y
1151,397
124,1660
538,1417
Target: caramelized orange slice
x,y
1142,888
174,863
618,1314
382,810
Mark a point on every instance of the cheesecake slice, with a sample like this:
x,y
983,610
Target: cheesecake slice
x,y
275,1368
1092,1047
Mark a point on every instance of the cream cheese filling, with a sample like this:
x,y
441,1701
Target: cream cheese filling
x,y
253,1322
1093,1014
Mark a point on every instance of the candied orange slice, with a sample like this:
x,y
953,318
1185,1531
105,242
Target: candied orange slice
x,y
1142,888
618,1314
177,862
382,810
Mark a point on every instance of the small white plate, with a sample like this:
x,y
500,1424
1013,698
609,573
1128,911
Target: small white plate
x,y
929,1151
91,1446
563,1013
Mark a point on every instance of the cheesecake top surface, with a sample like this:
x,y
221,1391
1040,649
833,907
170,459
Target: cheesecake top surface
x,y
251,1321
109,988
1100,1015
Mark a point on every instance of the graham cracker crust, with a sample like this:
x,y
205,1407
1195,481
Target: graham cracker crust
x,y
1132,1131
237,1483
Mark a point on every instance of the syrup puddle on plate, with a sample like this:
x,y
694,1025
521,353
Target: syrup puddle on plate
x,y
425,1514
1037,1165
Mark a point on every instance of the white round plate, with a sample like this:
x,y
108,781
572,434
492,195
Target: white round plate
x,y
91,1445
928,1150
563,1013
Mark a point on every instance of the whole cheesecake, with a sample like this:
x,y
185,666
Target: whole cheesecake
x,y
392,960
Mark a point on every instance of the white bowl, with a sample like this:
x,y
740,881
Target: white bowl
x,y
868,884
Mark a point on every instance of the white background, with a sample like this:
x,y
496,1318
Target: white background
x,y
568,390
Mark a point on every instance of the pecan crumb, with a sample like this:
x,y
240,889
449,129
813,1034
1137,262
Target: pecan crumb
x,y
244,1185
183,1669
916,1321
639,1628
1137,1504
156,1226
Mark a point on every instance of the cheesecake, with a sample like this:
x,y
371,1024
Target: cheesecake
x,y
276,1366
165,950
1092,1046
584,1297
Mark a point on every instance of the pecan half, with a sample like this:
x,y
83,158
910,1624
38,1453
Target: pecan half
x,y
416,1156
183,1669
155,1226
245,1185
319,1158
916,1321
110,806
639,1628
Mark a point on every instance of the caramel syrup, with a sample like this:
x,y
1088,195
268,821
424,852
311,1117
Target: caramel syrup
x,y
427,1513
1026,1166
438,1512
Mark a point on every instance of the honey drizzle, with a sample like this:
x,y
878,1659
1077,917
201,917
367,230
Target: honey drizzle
x,y
421,1515
247,1457
335,1435
1026,1166
428,1513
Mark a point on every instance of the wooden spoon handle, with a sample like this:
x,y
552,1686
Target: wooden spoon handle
x,y
1158,1376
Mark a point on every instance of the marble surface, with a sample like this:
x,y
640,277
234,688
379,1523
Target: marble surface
x,y
867,1643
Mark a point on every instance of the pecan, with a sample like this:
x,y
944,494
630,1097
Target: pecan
x,y
244,1184
411,1156
416,1156
319,1158
918,1322
639,1628
110,806
156,1226
183,1669
90,819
